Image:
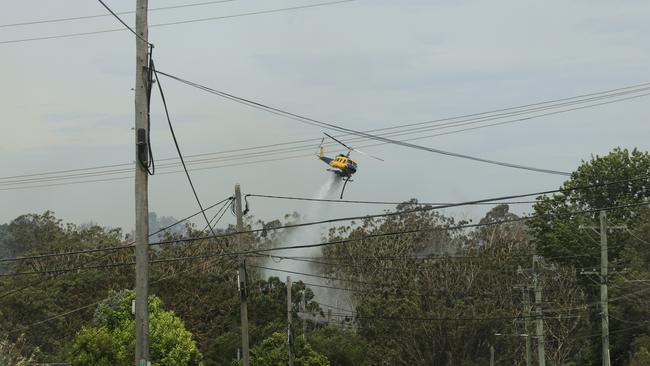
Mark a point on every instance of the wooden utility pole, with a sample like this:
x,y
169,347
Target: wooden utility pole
x,y
603,288
604,279
142,85
303,311
541,352
243,291
289,335
491,355
529,348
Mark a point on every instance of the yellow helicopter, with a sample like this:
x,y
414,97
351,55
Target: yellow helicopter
x,y
342,165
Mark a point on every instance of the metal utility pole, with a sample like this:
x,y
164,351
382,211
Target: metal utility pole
x,y
541,353
142,85
243,293
529,349
289,335
603,287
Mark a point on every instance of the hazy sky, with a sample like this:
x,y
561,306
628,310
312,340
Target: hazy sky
x,y
68,104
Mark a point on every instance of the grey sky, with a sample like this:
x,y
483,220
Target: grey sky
x,y
67,103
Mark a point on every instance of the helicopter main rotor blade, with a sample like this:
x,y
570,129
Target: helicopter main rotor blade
x,y
372,156
330,136
350,149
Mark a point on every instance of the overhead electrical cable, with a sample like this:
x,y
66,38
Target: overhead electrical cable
x,y
129,244
28,180
378,202
178,149
82,17
270,11
379,287
331,126
603,94
123,23
219,214
80,308
96,260
115,265
419,209
325,261
366,237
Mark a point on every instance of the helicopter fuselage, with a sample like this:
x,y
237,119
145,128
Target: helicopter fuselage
x,y
341,165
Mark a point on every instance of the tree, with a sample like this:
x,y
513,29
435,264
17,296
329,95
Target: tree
x,y
557,235
273,352
12,354
556,226
341,347
110,340
641,357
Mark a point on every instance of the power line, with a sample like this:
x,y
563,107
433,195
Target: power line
x,y
61,315
399,126
219,215
178,149
355,314
318,276
92,171
253,13
123,23
58,20
394,269
381,288
378,235
378,202
75,310
636,237
115,265
206,160
80,34
127,245
331,126
420,209
314,122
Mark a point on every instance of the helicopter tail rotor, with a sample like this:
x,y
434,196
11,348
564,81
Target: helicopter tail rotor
x,y
321,150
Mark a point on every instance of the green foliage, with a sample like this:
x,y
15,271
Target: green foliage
x,y
557,230
28,299
640,357
273,352
13,354
111,338
406,290
558,235
341,347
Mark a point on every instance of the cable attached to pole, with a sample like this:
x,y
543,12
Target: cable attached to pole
x,y
178,149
